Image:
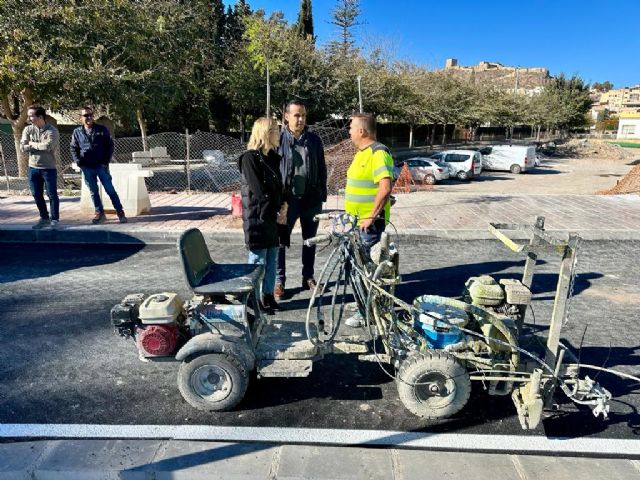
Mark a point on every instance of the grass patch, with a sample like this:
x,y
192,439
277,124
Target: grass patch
x,y
626,144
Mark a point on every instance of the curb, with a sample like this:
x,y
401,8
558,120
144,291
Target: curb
x,y
132,236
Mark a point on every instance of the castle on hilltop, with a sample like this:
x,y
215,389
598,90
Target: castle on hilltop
x,y
518,79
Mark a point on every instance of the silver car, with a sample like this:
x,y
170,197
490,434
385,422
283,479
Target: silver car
x,y
428,171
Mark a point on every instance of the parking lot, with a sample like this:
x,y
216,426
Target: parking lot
x,y
555,175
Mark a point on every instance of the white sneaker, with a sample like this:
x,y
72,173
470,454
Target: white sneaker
x,y
54,223
354,321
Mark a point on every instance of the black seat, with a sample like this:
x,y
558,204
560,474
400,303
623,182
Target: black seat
x,y
206,277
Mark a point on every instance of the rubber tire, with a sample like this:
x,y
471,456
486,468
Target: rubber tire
x,y
515,169
429,180
416,368
462,176
239,379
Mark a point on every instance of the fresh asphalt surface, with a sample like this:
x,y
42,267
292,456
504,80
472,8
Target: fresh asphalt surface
x,y
60,361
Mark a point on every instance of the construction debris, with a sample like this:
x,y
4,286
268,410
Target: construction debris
x,y
583,148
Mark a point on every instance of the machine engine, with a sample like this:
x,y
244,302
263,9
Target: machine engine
x,y
155,322
508,297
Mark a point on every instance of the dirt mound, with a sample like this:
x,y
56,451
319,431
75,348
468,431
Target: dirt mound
x,y
582,148
630,183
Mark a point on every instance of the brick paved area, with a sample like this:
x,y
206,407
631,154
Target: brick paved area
x,y
444,214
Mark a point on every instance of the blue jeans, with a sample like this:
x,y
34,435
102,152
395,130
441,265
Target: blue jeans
x,y
266,257
39,179
91,176
309,228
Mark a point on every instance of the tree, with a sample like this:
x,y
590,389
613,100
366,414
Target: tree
x,y
411,106
345,16
566,102
264,46
444,99
602,87
304,25
293,67
40,59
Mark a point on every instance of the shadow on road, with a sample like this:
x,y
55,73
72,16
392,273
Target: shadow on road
x,y
24,261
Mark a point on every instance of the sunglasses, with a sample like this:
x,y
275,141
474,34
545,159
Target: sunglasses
x,y
87,115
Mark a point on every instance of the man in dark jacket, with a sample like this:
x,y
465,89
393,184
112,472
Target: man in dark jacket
x,y
92,149
304,175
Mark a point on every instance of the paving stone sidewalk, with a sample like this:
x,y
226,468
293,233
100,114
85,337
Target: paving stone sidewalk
x,y
191,460
438,214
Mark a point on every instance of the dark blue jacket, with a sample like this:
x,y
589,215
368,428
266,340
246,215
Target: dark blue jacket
x,y
92,150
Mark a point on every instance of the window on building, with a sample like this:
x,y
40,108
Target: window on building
x,y
628,130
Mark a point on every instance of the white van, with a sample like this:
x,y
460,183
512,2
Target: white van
x,y
463,164
511,158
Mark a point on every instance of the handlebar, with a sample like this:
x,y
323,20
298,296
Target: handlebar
x,y
309,242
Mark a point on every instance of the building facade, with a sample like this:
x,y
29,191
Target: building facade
x,y
629,126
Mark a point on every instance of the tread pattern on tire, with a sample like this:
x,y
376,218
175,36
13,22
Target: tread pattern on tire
x,y
417,366
240,383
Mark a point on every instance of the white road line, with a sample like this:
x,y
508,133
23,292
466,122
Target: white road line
x,y
444,441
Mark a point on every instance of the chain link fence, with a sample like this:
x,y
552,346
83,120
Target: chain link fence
x,y
198,162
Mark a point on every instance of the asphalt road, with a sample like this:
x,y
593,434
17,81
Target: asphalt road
x,y
60,362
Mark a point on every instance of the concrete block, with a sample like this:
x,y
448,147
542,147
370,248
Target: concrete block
x,y
571,468
183,460
299,462
128,181
18,460
413,464
97,460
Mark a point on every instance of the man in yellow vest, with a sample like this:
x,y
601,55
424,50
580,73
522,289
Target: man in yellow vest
x,y
368,186
368,180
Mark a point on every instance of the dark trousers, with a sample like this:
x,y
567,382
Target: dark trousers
x,y
372,235
299,211
39,179
91,176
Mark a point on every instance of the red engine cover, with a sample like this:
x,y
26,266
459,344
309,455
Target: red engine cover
x,y
157,340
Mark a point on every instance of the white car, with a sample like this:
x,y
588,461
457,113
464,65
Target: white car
x,y
463,164
426,170
510,158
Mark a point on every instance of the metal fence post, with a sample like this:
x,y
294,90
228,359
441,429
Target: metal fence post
x,y
187,162
4,165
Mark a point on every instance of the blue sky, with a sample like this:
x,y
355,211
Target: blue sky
x,y
597,40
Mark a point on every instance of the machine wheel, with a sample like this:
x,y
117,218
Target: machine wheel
x,y
433,385
462,176
429,179
212,382
515,168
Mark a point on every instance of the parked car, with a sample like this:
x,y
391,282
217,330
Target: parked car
x,y
463,164
510,158
425,170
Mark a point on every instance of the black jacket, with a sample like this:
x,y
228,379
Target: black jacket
x,y
91,150
316,167
261,189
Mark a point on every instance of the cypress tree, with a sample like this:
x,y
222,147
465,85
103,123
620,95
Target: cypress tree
x,y
304,25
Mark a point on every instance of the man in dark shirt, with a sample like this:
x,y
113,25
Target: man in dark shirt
x,y
92,149
304,175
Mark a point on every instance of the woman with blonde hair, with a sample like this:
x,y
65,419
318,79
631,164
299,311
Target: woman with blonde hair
x,y
262,201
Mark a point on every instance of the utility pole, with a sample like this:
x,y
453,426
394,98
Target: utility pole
x,y
517,79
360,92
